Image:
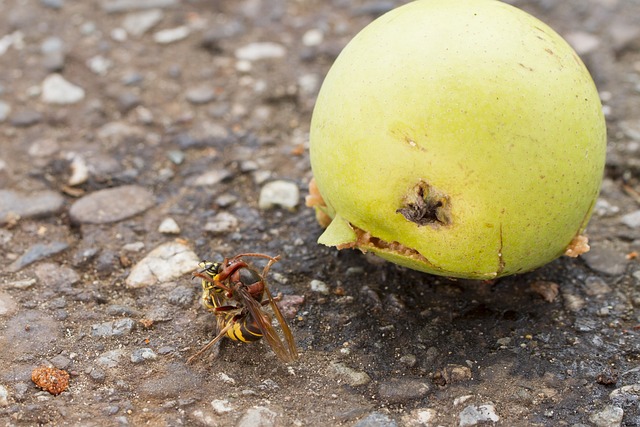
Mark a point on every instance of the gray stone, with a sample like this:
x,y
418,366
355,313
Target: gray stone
x,y
376,419
626,394
473,415
258,416
139,23
605,260
14,205
110,359
209,179
4,394
400,390
60,361
45,147
610,416
117,6
163,264
200,95
97,374
143,354
319,286
57,90
8,306
223,222
182,296
53,4
351,376
55,276
172,35
583,43
111,205
169,226
114,328
260,50
5,110
279,193
632,219
26,118
36,253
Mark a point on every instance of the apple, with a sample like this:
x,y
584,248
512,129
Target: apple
x,y
463,138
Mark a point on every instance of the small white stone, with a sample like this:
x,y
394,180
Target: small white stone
x,y
260,50
221,406
5,110
139,23
313,37
223,222
99,65
57,90
79,170
279,193
632,219
4,394
169,226
319,286
172,35
163,264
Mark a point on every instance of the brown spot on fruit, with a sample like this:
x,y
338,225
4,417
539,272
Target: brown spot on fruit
x,y
425,205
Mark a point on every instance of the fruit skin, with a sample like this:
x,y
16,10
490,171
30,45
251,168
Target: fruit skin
x,y
476,101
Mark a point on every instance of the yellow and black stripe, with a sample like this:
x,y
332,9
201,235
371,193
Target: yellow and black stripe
x,y
245,329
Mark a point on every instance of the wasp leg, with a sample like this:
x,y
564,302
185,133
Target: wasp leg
x,y
221,334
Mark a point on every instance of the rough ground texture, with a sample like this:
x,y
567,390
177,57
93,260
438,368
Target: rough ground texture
x,y
153,151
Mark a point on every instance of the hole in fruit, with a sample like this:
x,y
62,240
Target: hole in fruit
x,y
425,205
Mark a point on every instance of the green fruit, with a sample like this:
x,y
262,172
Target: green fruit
x,y
463,138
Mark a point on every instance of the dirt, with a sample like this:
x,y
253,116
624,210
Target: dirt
x,y
379,345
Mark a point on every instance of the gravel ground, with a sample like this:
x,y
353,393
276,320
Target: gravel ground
x,y
140,136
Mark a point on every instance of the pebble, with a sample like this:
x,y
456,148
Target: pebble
x,y
376,419
116,6
99,65
143,354
258,416
25,118
260,50
60,361
122,310
55,276
171,35
36,253
605,260
97,374
351,376
628,394
209,179
223,222
44,148
456,373
8,306
631,220
111,358
610,416
319,286
473,415
313,37
420,417
114,328
399,390
28,205
57,90
4,394
136,24
279,193
594,286
221,406
169,226
79,170
200,95
111,204
167,262
5,110
53,4
181,296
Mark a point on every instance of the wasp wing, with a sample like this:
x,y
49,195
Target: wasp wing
x,y
264,324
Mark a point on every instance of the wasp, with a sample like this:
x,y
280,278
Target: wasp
x,y
235,292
